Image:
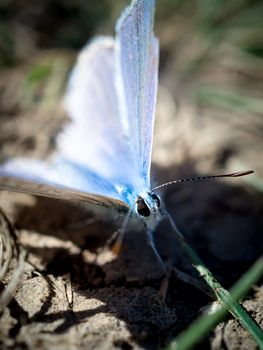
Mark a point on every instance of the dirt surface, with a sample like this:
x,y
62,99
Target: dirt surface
x,y
76,295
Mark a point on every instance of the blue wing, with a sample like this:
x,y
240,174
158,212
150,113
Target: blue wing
x,y
106,147
61,179
138,56
95,137
93,153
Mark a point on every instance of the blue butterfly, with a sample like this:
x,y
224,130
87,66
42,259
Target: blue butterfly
x,y
103,155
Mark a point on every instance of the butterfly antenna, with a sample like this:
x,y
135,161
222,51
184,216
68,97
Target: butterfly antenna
x,y
120,235
197,178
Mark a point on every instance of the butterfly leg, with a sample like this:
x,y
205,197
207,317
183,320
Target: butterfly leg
x,y
184,277
112,239
150,242
166,272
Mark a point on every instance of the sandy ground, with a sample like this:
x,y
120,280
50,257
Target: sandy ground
x,y
74,297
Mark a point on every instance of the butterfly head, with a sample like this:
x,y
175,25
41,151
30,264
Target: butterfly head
x,y
148,207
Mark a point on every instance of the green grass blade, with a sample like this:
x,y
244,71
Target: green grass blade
x,y
227,99
199,329
222,294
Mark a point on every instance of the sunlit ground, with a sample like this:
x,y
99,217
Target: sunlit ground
x,y
209,120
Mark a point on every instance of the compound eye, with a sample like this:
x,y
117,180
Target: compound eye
x,y
142,208
156,199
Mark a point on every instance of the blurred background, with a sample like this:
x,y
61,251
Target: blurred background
x,y
209,112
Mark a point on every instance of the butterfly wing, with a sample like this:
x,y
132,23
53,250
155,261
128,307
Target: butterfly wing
x,y
92,154
105,149
55,182
95,137
137,55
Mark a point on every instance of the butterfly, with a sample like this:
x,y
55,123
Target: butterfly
x,y
103,156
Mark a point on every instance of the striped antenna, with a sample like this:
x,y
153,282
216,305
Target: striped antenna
x,y
197,178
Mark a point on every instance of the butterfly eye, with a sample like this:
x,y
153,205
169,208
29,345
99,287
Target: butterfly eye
x,y
142,208
156,199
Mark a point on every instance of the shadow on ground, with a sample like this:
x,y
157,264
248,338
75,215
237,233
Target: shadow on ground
x,y
74,288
